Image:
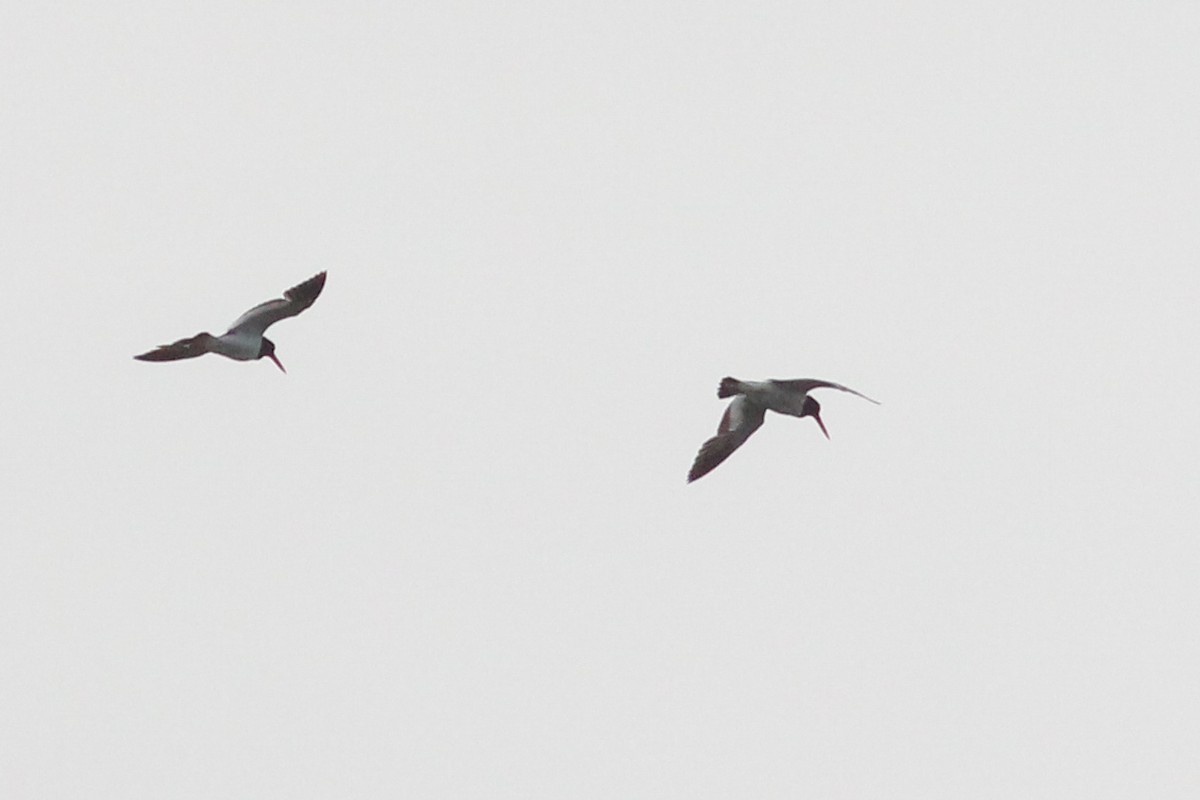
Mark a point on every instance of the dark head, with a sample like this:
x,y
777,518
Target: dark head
x,y
268,350
813,409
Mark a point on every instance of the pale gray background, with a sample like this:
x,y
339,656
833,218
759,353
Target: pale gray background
x,y
452,553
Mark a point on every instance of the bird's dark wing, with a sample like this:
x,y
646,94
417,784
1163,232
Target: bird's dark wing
x,y
741,418
197,345
294,300
806,385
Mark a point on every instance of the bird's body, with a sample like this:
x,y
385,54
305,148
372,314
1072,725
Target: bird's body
x,y
238,345
746,412
244,341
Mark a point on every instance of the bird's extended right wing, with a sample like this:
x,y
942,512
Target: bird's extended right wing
x,y
294,300
806,385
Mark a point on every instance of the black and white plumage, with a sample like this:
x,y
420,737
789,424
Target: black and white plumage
x,y
244,341
745,413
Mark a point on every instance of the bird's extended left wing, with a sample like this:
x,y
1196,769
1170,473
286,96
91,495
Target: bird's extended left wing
x,y
191,347
741,418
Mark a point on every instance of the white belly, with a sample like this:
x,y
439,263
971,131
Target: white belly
x,y
775,398
239,347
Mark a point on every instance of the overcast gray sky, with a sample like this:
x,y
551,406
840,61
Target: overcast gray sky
x,y
452,553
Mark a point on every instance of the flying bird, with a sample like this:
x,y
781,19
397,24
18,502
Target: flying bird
x,y
244,341
744,414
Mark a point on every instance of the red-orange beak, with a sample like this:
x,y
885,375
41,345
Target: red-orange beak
x,y
276,360
817,417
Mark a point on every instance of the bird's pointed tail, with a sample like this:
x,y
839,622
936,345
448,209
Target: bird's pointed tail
x,y
729,387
